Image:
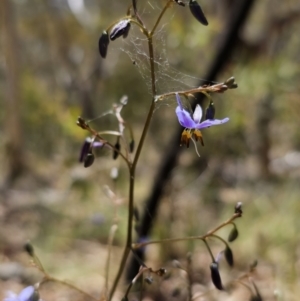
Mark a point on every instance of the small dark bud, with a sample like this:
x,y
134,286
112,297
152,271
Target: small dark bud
x,y
234,233
149,280
124,299
229,81
120,29
116,150
89,160
179,2
131,146
197,12
238,208
215,276
82,123
229,256
103,44
28,247
161,272
210,111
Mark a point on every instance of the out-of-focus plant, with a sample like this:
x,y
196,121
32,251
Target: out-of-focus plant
x,y
121,143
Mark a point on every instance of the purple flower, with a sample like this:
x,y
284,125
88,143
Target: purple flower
x,y
194,122
27,294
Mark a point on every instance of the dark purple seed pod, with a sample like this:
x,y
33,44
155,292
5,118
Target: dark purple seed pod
x,y
131,146
229,256
116,150
120,29
29,249
89,160
210,111
215,276
85,149
103,44
197,12
233,234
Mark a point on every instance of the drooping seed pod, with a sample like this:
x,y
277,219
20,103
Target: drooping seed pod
x,y
116,150
131,146
233,234
28,247
103,44
89,160
120,29
215,276
229,256
210,111
197,12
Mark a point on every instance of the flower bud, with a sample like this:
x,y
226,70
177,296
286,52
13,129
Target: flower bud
x,y
215,276
89,160
28,247
197,12
161,272
120,29
229,256
210,111
238,208
233,234
103,44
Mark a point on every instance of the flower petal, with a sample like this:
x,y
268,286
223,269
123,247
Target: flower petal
x,y
207,123
197,114
26,294
185,118
179,101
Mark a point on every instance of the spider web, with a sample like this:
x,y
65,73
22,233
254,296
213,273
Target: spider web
x,y
168,78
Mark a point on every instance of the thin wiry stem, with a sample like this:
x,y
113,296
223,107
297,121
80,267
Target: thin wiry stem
x,y
132,167
209,233
52,279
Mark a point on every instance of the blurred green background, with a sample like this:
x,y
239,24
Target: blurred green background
x,y
51,72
